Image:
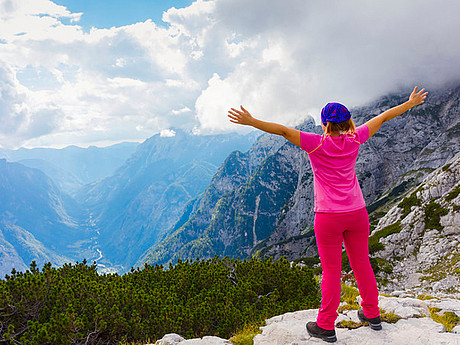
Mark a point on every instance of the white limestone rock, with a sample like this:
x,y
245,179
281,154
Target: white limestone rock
x,y
175,339
404,307
424,259
289,329
170,339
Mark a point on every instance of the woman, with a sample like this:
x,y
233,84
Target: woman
x,y
340,213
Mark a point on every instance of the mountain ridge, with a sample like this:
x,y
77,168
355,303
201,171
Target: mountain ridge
x,y
400,155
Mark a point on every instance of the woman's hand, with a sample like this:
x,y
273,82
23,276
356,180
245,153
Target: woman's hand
x,y
240,117
417,97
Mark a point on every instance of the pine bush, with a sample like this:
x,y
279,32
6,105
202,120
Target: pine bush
x,y
74,304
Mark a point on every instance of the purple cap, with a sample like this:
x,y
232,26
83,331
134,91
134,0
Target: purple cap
x,y
334,112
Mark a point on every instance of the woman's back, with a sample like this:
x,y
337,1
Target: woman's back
x,y
333,162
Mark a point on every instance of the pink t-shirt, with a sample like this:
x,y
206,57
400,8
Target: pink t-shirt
x,y
333,162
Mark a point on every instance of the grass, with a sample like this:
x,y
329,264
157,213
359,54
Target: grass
x,y
344,307
453,193
246,335
407,203
349,295
449,319
349,324
425,297
389,317
433,214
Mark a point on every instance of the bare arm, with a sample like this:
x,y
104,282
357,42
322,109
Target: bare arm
x,y
243,117
416,98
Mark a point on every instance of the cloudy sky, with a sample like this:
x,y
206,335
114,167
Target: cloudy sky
x,y
73,72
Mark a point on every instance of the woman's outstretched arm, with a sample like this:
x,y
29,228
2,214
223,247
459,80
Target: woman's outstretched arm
x,y
243,117
416,98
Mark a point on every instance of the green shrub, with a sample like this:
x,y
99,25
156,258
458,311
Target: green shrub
x,y
453,193
433,214
374,240
348,294
74,304
407,203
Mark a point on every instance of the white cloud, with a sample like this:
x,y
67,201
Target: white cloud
x,y
312,52
60,85
167,133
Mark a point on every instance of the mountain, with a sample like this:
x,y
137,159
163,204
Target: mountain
x,y
66,180
134,207
37,221
72,167
240,206
262,203
403,152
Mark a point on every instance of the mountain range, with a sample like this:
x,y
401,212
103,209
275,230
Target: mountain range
x,y
189,196
73,167
261,203
112,219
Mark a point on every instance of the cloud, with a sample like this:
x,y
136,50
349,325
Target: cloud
x,y
281,60
313,52
19,118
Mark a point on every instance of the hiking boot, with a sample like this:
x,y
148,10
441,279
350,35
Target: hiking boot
x,y
375,322
315,331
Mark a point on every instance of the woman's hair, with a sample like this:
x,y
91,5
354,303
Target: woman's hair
x,y
347,126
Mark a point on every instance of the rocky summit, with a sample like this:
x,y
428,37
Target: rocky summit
x,y
412,321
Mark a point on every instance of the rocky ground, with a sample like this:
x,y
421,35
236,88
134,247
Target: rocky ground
x,y
424,255
415,324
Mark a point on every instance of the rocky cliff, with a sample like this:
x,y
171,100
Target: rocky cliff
x,y
417,240
399,156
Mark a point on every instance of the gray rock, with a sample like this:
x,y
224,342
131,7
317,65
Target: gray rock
x,y
175,339
289,329
424,259
404,307
170,339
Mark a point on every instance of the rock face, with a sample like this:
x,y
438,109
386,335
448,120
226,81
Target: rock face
x,y
424,254
261,202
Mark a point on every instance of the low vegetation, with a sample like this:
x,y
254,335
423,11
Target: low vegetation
x,y
407,203
433,214
74,304
374,240
448,319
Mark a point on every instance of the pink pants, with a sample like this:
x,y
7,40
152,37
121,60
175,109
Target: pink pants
x,y
331,229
